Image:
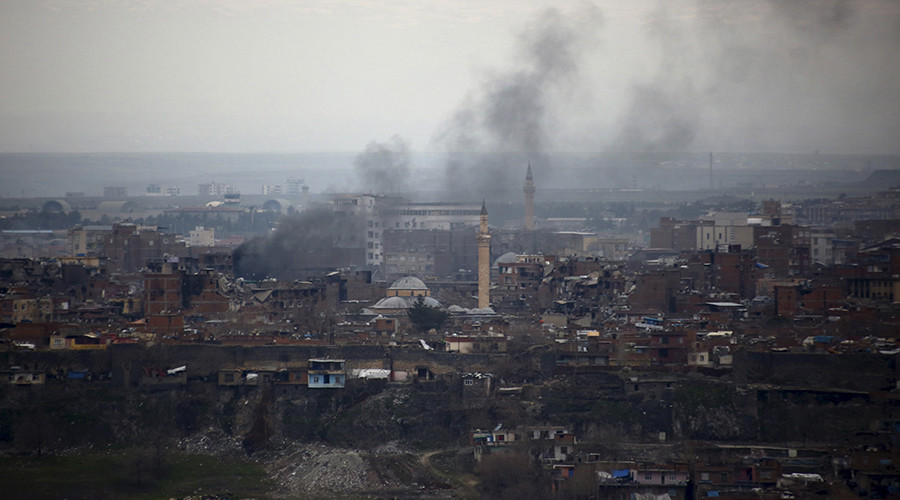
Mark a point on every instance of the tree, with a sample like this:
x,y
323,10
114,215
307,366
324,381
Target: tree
x,y
425,317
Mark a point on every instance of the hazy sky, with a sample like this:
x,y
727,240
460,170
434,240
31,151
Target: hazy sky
x,y
335,75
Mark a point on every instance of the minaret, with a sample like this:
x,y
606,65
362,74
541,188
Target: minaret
x,y
484,261
529,200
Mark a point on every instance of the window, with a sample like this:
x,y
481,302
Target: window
x,y
648,476
723,476
469,381
704,476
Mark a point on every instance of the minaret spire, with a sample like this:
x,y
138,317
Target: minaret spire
x,y
484,260
529,199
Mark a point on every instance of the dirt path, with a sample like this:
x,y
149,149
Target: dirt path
x,y
463,483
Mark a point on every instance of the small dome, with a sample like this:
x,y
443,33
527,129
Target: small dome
x,y
507,258
278,205
391,303
56,207
430,302
408,283
117,207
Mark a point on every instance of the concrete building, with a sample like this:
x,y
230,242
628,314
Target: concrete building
x,y
326,373
417,216
430,253
214,189
296,187
271,189
363,218
115,192
356,226
201,237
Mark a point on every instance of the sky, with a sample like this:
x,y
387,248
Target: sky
x,y
529,76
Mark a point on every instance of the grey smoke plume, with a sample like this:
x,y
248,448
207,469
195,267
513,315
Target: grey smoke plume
x,y
690,75
780,75
508,122
301,242
383,167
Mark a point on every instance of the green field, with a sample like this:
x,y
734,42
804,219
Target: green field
x,y
130,473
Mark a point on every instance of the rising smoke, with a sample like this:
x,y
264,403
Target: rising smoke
x,y
688,75
300,242
780,75
383,167
506,124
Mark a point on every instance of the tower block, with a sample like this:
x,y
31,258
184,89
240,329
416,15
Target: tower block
x,y
529,199
484,260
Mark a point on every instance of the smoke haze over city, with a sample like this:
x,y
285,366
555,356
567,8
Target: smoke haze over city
x,y
461,77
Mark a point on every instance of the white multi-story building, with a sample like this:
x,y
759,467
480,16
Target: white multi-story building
x,y
214,189
430,216
201,237
295,187
270,189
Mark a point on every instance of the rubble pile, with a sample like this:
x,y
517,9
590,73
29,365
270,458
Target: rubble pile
x,y
211,442
317,469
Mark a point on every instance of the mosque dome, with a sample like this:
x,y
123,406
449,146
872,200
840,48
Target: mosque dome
x,y
391,303
408,283
403,302
430,302
507,258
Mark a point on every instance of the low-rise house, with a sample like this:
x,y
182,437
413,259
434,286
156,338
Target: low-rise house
x,y
23,377
78,342
662,474
564,447
475,343
698,358
714,474
497,437
326,373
